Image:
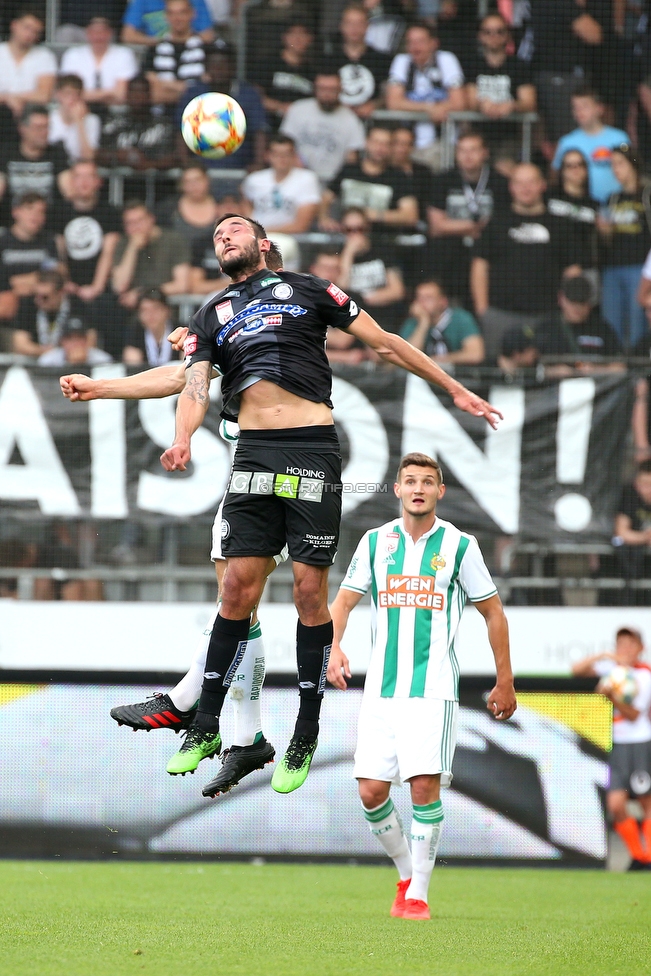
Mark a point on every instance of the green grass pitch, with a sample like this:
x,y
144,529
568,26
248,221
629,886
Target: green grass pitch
x,y
101,919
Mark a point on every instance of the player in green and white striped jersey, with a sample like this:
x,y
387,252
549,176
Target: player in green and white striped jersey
x,y
420,571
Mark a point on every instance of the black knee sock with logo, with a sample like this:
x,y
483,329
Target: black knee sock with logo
x,y
225,653
313,646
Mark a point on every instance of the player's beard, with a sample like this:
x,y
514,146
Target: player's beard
x,y
244,263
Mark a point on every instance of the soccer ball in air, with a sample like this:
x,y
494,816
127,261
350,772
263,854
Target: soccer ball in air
x,y
213,125
621,682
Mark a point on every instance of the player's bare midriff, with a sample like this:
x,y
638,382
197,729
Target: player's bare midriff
x,y
266,406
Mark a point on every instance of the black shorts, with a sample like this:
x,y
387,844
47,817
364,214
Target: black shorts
x,y
285,487
630,768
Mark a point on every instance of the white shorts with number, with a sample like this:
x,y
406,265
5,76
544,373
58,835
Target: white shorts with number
x,y
398,738
219,531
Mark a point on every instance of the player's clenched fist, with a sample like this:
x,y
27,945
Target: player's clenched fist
x,y
501,702
178,337
76,386
338,668
175,458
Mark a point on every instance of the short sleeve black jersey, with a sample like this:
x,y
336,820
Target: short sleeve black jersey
x,y
271,326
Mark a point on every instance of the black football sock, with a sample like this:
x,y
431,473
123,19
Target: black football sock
x,y
225,653
313,646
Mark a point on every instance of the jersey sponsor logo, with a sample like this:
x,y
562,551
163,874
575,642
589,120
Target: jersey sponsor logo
x,y
224,312
411,591
319,541
274,483
437,562
260,310
257,325
339,296
305,472
286,486
270,281
282,291
190,344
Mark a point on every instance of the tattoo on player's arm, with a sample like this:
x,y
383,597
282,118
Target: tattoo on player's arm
x,y
197,386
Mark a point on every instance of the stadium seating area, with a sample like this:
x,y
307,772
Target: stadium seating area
x,y
475,177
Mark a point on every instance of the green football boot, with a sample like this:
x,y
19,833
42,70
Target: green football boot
x,y
291,772
199,744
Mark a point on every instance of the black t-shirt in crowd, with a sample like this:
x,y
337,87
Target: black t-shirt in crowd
x,y
578,215
271,326
636,508
497,84
368,273
461,200
203,256
8,129
361,80
154,353
42,327
25,175
419,183
526,255
23,257
594,337
556,46
83,233
283,81
630,240
154,135
355,188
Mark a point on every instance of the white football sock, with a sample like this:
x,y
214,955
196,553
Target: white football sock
x,y
245,691
245,687
384,824
425,835
186,693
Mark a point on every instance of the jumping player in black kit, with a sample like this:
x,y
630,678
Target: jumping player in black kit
x,y
266,334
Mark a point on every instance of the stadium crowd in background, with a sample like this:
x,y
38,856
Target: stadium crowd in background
x,y
478,249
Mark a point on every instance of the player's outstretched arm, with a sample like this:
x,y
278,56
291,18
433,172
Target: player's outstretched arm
x,y
585,668
398,351
190,411
501,701
154,383
339,666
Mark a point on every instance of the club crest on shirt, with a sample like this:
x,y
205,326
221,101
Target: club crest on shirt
x,y
282,291
393,540
224,312
437,562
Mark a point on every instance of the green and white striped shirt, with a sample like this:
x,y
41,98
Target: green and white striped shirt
x,y
418,592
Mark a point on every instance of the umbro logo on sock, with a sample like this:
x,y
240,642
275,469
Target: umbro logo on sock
x,y
212,675
306,684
